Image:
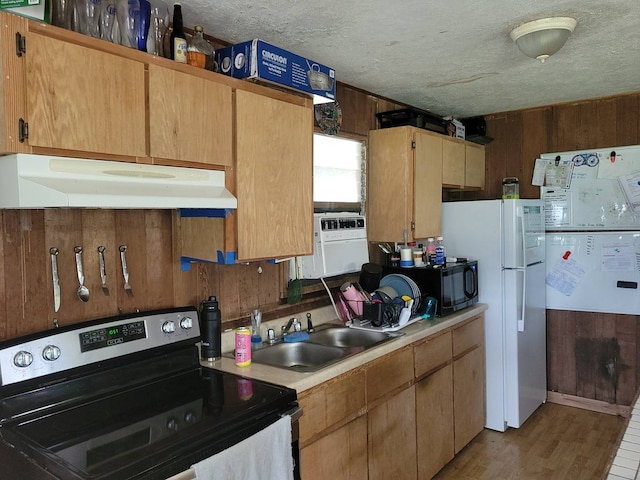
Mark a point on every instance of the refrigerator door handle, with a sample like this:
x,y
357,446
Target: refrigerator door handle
x,y
523,238
522,299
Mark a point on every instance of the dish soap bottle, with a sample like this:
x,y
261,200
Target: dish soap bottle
x,y
199,52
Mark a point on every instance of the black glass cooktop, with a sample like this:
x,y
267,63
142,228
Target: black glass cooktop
x,y
149,430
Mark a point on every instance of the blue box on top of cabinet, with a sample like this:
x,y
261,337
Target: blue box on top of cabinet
x,y
259,60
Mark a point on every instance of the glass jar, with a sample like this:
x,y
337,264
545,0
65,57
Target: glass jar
x,y
510,188
199,52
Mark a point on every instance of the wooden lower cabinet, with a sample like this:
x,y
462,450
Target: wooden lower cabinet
x,y
434,422
468,381
402,416
340,455
392,438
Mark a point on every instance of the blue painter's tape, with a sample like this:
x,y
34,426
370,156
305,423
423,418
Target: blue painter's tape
x,y
205,212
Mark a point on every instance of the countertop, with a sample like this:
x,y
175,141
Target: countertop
x,y
304,381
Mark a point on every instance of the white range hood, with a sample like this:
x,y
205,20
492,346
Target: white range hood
x,y
40,181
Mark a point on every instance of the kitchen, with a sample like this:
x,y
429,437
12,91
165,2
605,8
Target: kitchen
x,y
159,282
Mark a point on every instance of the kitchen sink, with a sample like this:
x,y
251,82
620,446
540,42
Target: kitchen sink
x,y
338,336
300,356
327,344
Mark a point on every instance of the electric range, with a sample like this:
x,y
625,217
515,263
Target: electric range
x,y
123,398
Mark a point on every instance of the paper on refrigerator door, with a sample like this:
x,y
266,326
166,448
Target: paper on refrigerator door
x,y
566,275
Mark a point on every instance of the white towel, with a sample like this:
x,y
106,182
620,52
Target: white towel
x,y
263,456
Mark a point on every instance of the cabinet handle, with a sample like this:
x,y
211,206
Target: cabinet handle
x,y
23,130
21,44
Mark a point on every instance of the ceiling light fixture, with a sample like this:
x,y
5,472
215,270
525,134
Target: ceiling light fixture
x,y
542,38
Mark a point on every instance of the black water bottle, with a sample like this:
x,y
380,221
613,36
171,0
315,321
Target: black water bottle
x,y
210,330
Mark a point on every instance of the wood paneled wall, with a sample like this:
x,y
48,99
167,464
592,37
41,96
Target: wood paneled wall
x,y
521,136
26,286
592,356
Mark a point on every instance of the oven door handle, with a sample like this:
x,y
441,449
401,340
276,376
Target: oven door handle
x,y
295,413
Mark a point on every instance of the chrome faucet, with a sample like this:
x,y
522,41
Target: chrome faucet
x,y
293,322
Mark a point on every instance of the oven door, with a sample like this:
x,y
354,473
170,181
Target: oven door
x,y
295,414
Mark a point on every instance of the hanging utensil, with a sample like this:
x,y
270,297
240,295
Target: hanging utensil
x,y
125,271
56,280
103,270
83,291
294,289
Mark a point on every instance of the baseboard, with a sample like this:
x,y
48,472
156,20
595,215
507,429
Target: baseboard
x,y
588,404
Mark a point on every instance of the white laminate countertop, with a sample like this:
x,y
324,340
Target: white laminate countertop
x,y
304,381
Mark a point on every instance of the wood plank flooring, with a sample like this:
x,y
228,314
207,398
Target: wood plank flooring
x,y
557,442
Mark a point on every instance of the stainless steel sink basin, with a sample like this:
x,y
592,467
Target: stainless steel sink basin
x,y
300,356
328,344
338,336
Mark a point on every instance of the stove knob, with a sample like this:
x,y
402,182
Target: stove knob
x,y
172,424
22,359
51,353
169,327
190,417
186,323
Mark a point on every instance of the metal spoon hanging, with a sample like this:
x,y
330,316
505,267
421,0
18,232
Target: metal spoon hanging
x,y
53,251
83,291
103,270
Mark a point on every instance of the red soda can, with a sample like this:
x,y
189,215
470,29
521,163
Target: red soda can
x,y
243,346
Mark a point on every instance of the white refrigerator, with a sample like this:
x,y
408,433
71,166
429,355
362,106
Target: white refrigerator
x,y
508,240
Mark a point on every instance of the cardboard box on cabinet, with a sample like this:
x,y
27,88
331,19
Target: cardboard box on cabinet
x,y
259,60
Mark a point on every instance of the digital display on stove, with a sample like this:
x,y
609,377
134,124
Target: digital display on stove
x,y
114,335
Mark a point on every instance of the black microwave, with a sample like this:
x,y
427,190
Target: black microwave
x,y
454,285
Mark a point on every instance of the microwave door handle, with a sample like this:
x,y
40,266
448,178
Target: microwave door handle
x,y
472,293
522,298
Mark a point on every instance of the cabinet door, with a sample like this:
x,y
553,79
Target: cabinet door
x,y
434,422
331,403
274,159
427,198
190,118
453,162
83,99
341,455
392,438
389,179
474,166
468,397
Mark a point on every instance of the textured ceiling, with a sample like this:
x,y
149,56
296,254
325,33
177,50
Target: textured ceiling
x,y
452,57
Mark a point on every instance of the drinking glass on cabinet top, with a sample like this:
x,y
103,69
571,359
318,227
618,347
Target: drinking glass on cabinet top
x,y
62,13
88,17
157,27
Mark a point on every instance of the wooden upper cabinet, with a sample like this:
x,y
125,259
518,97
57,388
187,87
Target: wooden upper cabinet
x,y
453,159
274,174
462,164
83,99
190,118
405,184
427,187
474,166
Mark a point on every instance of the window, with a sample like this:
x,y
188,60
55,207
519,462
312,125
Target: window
x,y
338,173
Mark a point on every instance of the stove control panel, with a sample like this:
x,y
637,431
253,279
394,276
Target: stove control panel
x,y
54,351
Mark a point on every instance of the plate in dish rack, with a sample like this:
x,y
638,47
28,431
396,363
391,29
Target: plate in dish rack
x,y
404,286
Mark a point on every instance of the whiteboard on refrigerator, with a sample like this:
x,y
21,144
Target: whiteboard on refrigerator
x,y
603,192
593,271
